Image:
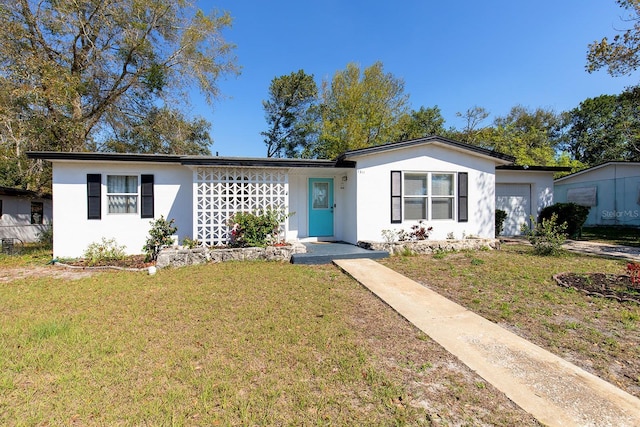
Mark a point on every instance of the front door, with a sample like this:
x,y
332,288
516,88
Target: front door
x,y
320,207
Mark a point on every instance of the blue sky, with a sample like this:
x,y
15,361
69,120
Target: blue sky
x,y
454,54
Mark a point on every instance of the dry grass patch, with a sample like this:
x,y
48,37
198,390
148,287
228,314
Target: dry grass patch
x,y
230,344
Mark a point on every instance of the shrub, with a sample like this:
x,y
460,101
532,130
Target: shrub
x,y
499,221
45,237
104,252
570,213
159,236
190,243
389,236
256,229
546,237
418,232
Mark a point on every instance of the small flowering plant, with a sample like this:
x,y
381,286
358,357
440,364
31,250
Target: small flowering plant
x,y
418,231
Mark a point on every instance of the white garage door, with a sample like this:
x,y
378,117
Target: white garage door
x,y
515,200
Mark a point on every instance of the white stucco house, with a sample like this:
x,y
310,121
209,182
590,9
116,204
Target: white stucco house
x,y
448,184
24,214
611,190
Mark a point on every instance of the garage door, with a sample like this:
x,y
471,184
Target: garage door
x,y
515,200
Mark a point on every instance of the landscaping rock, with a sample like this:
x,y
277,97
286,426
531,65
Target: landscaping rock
x,y
178,257
431,246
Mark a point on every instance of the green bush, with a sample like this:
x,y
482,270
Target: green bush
x,y
570,213
499,221
45,238
159,236
190,243
104,252
255,229
547,236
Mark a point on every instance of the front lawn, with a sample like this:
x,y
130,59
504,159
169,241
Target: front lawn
x,y
515,289
253,343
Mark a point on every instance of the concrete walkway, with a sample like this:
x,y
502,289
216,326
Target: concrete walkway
x,y
554,391
629,253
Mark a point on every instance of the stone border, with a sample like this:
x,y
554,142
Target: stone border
x,y
431,246
180,257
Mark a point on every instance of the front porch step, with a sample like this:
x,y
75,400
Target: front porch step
x,y
326,252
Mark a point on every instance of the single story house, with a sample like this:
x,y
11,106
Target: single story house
x,y
24,214
611,190
449,185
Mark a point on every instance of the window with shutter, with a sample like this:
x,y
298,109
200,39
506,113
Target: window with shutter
x,y
396,197
463,197
94,189
146,195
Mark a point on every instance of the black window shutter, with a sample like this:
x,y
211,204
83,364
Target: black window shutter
x,y
463,197
396,197
94,199
146,193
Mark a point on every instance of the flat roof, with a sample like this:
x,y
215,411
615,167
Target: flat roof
x,y
190,160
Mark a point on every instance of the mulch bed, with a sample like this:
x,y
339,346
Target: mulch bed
x,y
613,286
129,262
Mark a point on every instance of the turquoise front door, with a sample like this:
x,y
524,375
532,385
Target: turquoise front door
x,y
320,207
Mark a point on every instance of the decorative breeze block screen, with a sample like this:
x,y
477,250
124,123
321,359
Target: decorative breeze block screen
x,y
221,192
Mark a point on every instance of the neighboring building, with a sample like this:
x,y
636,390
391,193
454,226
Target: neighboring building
x,y
23,214
448,184
611,190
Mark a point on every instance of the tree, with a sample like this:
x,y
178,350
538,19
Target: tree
x,y
605,128
359,110
290,97
622,55
531,136
421,123
473,117
163,131
72,69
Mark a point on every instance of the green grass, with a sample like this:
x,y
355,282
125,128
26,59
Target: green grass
x,y
224,344
514,287
30,254
629,236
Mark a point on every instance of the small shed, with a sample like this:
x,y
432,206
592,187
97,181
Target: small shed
x,y
611,190
24,214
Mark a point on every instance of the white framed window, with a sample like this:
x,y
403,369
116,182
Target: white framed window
x,y
122,194
429,195
442,188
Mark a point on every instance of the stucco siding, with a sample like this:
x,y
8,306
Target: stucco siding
x,y
73,232
374,189
541,194
343,199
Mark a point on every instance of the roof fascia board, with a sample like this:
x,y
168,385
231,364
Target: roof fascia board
x,y
593,168
445,142
109,157
262,163
188,160
533,168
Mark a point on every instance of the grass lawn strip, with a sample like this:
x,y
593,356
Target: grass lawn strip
x,y
515,289
251,343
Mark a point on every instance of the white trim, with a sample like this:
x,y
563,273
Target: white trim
x,y
573,175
